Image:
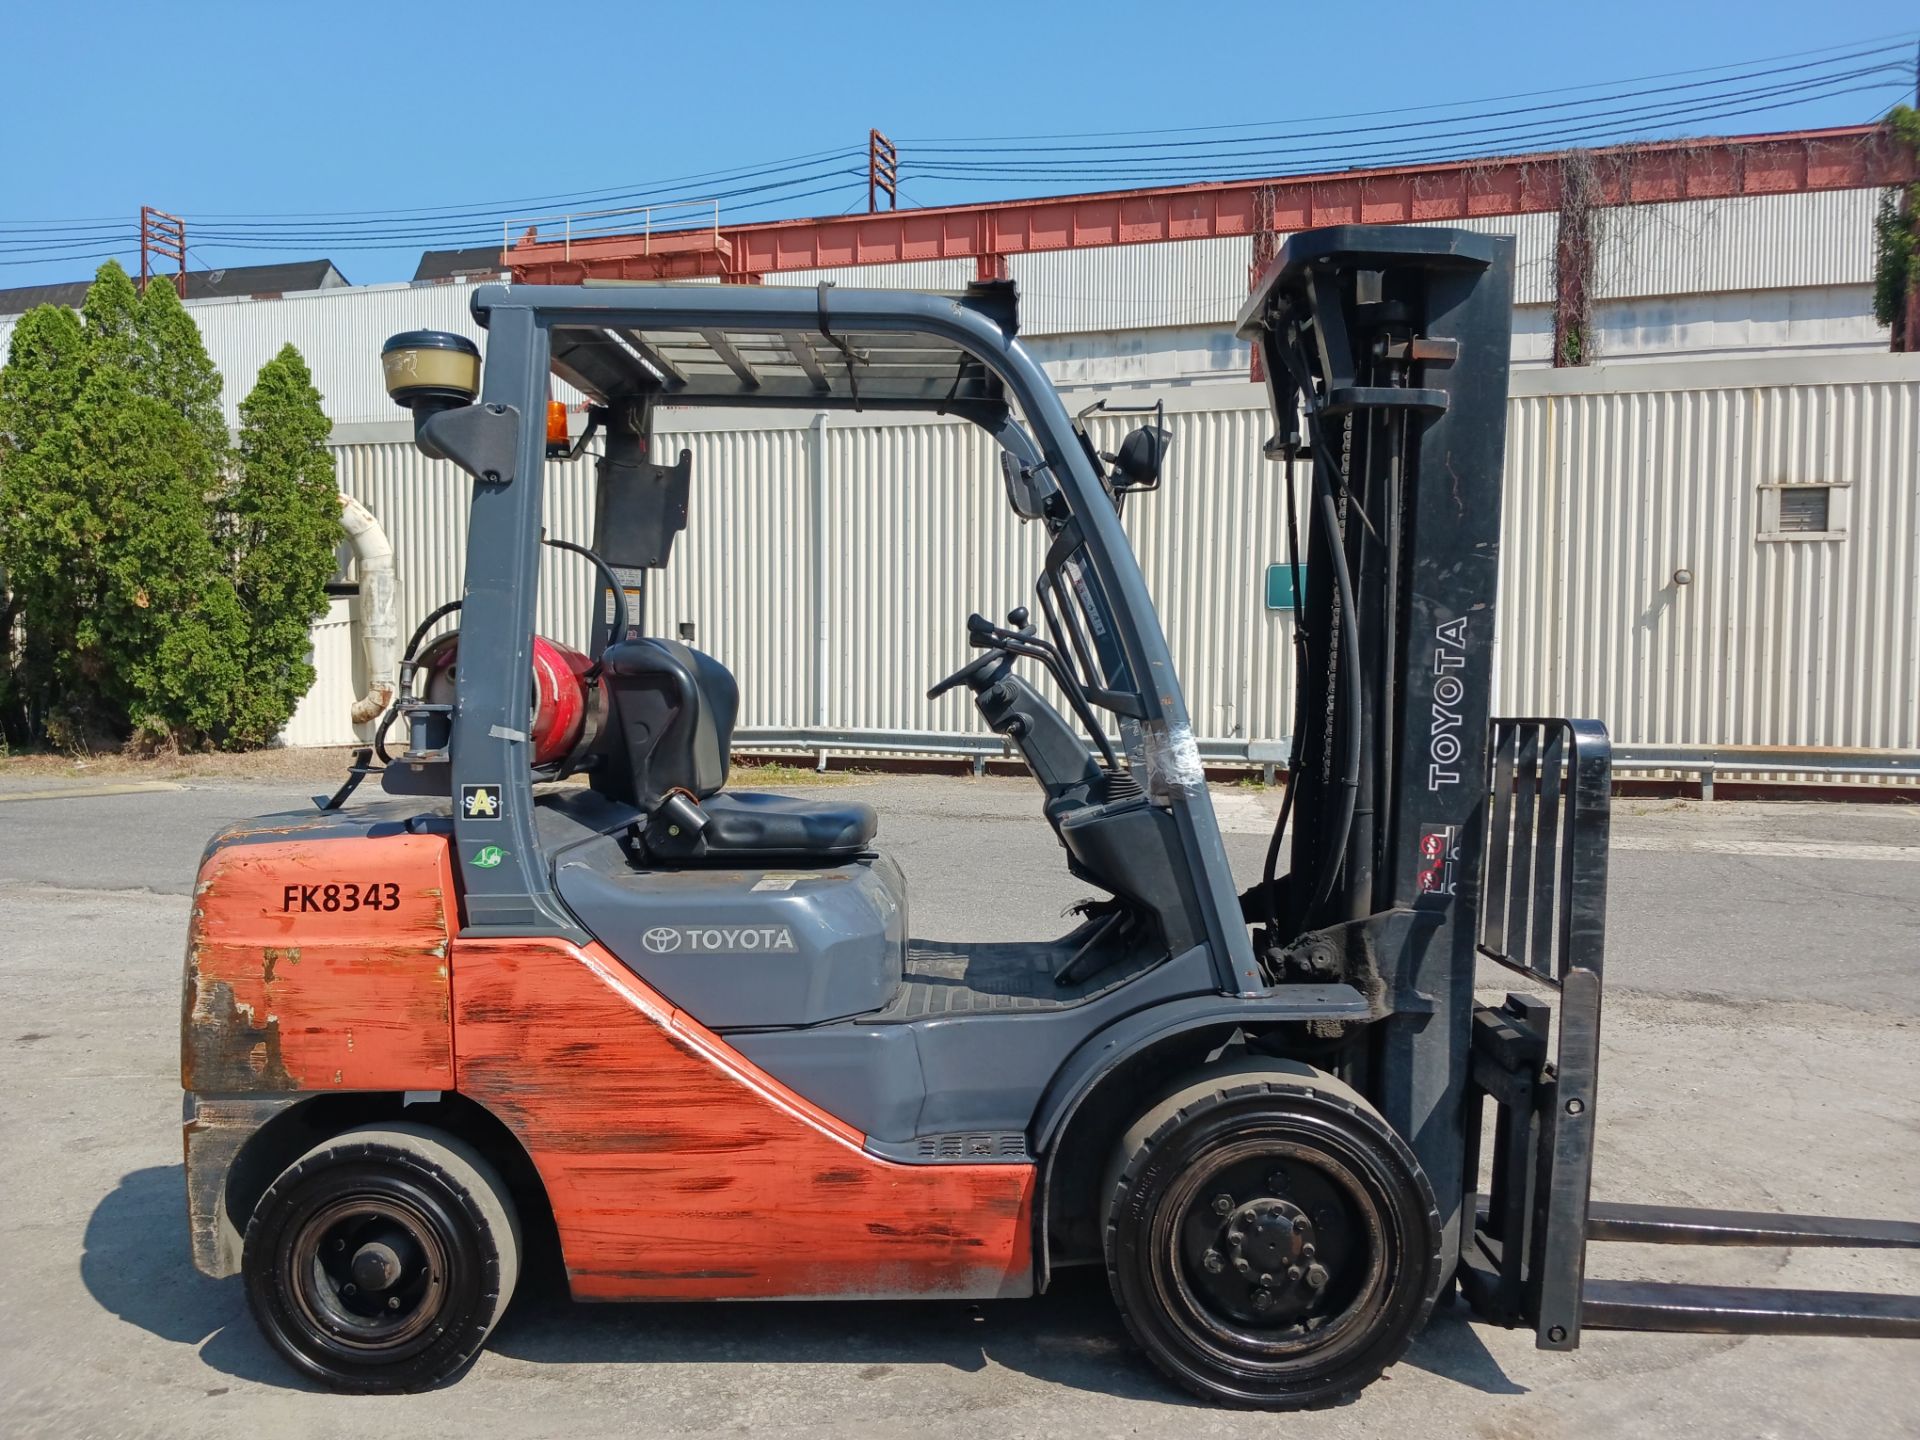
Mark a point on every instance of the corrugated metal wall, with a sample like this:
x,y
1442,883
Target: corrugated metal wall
x,y
1749,242
1802,244
1787,641
323,715
832,563
1132,287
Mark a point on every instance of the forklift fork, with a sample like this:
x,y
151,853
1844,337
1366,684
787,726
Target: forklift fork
x,y
1542,902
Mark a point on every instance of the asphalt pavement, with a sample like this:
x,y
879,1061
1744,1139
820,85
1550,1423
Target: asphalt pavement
x,y
1762,1049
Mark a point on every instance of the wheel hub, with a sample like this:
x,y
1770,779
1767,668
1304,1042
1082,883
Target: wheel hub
x,y
1264,1262
373,1278
376,1266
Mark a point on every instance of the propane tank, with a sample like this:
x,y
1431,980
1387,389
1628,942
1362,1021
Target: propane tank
x,y
566,708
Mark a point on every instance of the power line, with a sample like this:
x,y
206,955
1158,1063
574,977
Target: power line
x,y
1608,135
1499,139
1347,135
487,207
476,232
1904,38
1404,139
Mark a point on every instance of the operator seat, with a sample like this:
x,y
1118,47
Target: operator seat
x,y
670,728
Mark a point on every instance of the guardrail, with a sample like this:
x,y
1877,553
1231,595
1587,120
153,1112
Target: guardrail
x,y
1704,763
635,221
963,745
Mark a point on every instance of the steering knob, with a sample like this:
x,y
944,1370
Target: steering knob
x,y
1017,617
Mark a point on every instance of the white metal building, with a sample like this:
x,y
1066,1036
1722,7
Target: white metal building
x,y
1740,373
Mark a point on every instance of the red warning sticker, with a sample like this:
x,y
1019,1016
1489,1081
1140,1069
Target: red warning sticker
x,y
1439,853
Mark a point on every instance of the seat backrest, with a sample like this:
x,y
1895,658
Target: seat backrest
x,y
669,724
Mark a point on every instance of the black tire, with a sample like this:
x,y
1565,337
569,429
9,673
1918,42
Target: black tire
x,y
425,1226
1212,1196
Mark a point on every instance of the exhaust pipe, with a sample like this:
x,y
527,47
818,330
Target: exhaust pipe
x,y
373,553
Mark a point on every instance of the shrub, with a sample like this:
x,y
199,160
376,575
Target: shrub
x,y
282,524
163,585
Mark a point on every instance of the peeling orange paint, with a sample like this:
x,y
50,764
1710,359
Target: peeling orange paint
x,y
274,993
679,1170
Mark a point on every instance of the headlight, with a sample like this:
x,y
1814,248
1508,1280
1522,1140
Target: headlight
x,y
431,367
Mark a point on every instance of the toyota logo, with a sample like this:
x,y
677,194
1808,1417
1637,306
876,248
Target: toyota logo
x,y
662,939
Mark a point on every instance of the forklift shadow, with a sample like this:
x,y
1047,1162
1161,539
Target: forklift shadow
x,y
134,1262
1070,1336
135,1265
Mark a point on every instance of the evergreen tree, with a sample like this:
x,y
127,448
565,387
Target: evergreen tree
x,y
157,640
43,518
174,367
283,515
164,585
111,315
114,452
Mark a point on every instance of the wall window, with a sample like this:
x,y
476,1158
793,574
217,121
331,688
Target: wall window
x,y
1803,512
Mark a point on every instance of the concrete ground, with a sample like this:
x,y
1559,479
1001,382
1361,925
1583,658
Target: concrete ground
x,y
1762,1049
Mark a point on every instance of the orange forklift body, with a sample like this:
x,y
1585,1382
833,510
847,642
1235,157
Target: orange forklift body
x,y
664,1152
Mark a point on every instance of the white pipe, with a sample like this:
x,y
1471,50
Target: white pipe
x,y
379,633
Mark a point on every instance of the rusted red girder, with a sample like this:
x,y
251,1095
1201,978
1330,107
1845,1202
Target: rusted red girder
x,y
1839,159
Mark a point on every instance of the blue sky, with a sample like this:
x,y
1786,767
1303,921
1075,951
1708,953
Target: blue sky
x,y
272,110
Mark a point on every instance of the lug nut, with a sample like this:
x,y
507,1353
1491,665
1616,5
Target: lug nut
x,y
1263,1299
393,1302
1316,1276
1306,1252
1300,1226
1222,1204
1294,1272
1266,1280
1213,1262
349,1289
1243,1265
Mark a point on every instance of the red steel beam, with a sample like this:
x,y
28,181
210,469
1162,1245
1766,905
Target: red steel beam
x,y
1846,158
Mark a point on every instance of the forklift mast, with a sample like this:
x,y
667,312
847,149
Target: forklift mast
x,y
1429,836
1385,353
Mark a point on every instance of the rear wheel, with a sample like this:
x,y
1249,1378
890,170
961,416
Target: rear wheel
x,y
380,1259
1270,1240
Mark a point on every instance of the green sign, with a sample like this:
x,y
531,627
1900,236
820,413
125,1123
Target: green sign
x,y
488,857
1280,594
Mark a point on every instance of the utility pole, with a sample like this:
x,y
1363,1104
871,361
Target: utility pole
x,y
883,172
162,237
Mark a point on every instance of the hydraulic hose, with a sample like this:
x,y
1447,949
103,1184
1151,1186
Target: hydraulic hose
x,y
1349,677
1348,669
1270,873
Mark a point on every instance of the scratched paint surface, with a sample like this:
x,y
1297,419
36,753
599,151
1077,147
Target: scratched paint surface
x,y
678,1170
291,985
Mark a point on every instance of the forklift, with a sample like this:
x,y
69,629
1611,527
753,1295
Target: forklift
x,y
682,1040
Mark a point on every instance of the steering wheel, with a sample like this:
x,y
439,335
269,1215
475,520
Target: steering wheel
x,y
977,627
972,670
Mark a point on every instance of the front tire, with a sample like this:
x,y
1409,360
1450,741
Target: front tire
x,y
381,1259
1270,1241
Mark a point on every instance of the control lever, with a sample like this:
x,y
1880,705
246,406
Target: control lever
x,y
984,633
978,627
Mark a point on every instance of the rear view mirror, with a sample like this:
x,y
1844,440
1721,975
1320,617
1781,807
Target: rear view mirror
x,y
1141,455
1020,492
